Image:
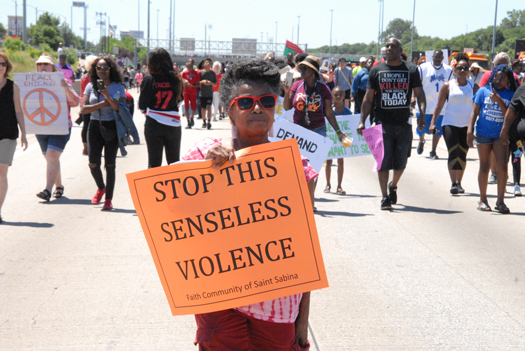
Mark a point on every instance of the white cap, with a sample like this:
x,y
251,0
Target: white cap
x,y
362,59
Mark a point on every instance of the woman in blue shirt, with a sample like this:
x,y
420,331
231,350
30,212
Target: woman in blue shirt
x,y
490,105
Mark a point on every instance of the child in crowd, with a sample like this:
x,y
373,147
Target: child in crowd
x,y
339,109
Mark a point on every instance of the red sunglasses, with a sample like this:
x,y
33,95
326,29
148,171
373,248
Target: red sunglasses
x,y
248,102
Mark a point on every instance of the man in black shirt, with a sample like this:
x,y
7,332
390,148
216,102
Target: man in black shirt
x,y
208,81
390,86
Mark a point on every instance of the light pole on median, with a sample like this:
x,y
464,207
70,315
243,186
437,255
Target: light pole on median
x,y
331,22
381,4
494,31
158,25
298,24
412,41
276,38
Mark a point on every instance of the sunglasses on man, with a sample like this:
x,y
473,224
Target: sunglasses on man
x,y
248,102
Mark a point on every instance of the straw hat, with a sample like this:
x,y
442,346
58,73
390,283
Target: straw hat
x,y
312,62
476,65
45,58
89,62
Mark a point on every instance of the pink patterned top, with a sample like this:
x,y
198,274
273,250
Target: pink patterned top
x,y
281,310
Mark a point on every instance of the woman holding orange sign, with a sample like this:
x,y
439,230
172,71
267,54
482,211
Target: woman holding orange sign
x,y
250,91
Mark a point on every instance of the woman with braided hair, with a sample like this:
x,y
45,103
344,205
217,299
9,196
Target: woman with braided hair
x,y
490,105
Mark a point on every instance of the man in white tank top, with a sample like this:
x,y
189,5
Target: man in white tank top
x,y
433,75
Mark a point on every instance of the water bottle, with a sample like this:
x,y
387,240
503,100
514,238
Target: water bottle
x,y
116,97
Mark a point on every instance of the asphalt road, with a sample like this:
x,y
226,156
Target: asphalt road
x,y
433,274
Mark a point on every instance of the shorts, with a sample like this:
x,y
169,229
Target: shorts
x,y
320,130
397,140
231,330
481,140
190,98
55,142
7,151
347,94
206,101
428,119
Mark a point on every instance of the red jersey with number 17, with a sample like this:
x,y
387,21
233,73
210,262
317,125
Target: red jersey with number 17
x,y
193,77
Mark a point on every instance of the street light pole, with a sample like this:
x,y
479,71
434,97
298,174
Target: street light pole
x,y
298,24
412,40
149,2
331,22
158,26
494,32
379,29
276,38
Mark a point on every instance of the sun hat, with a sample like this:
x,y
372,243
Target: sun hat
x,y
476,65
89,62
46,59
312,62
362,59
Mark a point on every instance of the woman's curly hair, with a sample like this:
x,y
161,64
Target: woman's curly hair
x,y
248,72
114,73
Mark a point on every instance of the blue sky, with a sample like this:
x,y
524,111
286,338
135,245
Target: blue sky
x,y
353,21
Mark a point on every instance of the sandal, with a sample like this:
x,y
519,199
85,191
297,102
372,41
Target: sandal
x,y
483,206
327,189
59,192
502,208
44,195
340,191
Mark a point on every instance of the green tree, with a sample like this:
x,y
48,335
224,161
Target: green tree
x,y
400,29
46,31
515,18
3,31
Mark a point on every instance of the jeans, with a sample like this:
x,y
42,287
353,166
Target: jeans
x,y
103,136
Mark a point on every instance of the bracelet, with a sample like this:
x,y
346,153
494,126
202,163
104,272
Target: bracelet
x,y
338,131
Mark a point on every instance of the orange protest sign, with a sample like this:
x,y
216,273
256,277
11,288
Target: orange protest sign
x,y
228,237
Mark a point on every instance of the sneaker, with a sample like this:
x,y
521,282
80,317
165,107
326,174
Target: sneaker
x,y
214,119
386,204
454,189
433,155
98,196
209,125
392,193
517,190
188,126
460,188
420,147
84,152
192,121
204,125
107,206
493,179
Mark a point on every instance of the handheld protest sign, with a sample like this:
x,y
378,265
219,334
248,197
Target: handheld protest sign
x,y
229,237
374,139
313,146
44,102
348,124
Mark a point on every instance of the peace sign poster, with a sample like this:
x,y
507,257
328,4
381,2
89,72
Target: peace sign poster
x,y
43,102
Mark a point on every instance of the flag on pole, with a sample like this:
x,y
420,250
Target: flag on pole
x,y
111,31
291,47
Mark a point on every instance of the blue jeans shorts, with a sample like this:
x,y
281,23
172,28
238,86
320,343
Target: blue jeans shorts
x,y
55,142
320,130
481,140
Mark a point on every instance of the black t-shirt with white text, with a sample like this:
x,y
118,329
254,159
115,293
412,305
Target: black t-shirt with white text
x,y
393,86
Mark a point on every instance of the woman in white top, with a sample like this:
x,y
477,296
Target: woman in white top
x,y
457,93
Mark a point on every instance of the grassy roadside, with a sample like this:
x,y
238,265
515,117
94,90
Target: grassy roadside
x,y
22,61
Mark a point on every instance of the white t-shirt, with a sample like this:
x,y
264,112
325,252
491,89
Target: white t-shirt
x,y
433,79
